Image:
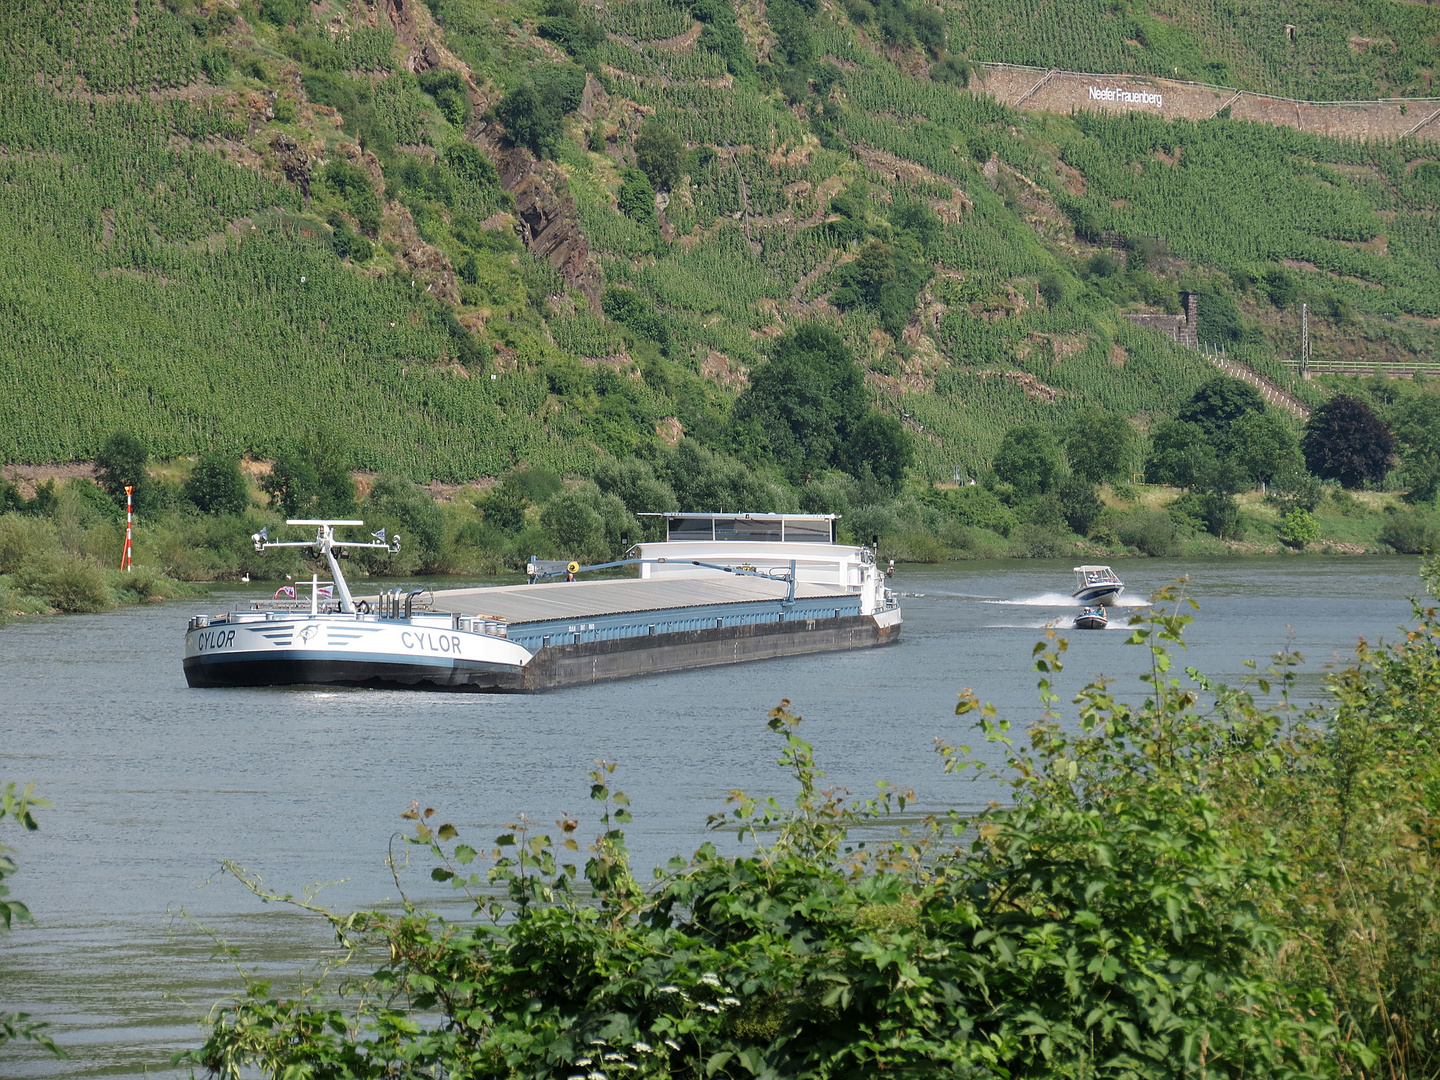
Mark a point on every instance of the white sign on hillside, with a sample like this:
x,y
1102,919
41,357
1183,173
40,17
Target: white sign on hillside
x,y
1128,97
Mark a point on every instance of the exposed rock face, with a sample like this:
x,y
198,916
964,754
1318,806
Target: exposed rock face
x,y
293,161
549,224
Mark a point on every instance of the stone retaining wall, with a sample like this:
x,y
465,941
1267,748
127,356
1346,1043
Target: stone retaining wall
x,y
1071,91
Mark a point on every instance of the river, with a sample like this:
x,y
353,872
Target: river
x,y
152,783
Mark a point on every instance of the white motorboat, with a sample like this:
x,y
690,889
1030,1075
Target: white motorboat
x,y
1097,585
339,641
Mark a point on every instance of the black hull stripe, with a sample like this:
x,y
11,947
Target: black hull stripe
x,y
322,670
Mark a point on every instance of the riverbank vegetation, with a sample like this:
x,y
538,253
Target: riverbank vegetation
x,y
1227,475
1210,880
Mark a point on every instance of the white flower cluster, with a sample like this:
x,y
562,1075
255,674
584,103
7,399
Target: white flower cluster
x,y
603,1056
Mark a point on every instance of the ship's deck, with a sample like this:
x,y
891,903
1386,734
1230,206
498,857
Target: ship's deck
x,y
560,600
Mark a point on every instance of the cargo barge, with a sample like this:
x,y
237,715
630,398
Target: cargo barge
x,y
720,589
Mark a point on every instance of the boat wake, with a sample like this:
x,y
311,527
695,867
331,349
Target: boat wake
x,y
1055,599
1064,622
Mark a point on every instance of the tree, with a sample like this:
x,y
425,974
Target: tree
x,y
1080,504
878,442
1292,487
1264,443
1218,404
1417,426
805,399
1028,460
312,479
530,120
657,152
291,483
122,462
1179,454
217,486
1345,441
1098,445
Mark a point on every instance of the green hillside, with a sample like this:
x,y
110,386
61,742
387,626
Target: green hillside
x,y
1311,49
228,224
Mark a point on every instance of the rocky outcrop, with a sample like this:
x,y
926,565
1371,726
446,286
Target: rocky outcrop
x,y
549,224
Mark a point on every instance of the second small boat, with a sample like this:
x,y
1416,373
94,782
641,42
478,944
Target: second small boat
x,y
1092,618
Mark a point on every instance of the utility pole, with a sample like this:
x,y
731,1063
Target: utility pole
x,y
1304,341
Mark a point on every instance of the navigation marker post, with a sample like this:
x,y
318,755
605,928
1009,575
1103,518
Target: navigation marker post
x,y
126,563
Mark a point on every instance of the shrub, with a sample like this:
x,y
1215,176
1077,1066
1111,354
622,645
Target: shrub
x,y
1299,528
1220,513
975,506
952,70
530,120
658,151
282,13
1038,542
573,27
215,63
1411,533
67,583
25,541
1112,909
1150,531
1052,290
637,197
450,94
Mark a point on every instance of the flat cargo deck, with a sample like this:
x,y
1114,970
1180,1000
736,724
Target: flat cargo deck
x,y
590,631
586,599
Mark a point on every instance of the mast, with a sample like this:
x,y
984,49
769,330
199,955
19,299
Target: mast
x,y
327,545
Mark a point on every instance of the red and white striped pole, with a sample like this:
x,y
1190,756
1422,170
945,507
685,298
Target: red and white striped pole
x,y
125,560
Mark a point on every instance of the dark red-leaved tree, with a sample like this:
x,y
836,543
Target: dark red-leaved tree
x,y
1346,441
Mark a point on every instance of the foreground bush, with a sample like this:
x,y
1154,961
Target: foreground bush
x,y
1193,885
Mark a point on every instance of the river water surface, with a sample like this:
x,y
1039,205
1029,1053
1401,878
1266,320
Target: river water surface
x,y
153,783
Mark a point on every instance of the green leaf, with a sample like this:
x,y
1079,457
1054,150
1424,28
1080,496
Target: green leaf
x,y
448,832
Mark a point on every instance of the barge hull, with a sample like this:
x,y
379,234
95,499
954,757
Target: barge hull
x,y
586,662
268,670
